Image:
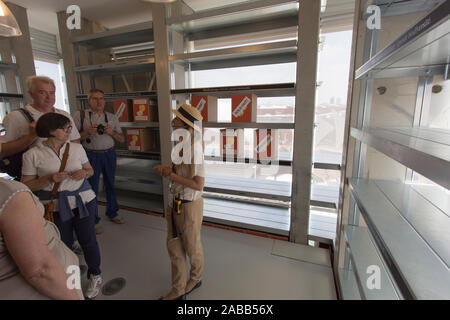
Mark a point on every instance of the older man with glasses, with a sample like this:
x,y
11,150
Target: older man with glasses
x,y
20,124
99,130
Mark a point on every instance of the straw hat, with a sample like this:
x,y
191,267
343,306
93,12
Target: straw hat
x,y
189,114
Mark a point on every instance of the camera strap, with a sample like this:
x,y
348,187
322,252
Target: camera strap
x,y
90,117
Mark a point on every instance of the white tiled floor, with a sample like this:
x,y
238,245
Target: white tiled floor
x,y
237,265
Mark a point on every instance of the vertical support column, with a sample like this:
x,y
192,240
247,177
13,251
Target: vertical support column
x,y
163,84
74,57
354,115
178,45
421,110
307,56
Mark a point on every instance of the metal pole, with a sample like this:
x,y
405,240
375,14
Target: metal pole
x,y
307,56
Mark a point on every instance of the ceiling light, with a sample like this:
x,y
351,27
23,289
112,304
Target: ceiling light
x,y
8,24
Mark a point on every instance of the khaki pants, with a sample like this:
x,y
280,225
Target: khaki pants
x,y
188,225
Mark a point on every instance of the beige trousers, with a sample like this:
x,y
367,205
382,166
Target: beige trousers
x,y
188,225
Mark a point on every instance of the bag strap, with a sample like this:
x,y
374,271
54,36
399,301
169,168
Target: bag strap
x,y
61,169
82,115
27,115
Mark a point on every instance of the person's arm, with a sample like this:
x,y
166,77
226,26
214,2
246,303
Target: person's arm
x,y
13,147
22,230
196,183
36,183
85,173
115,131
118,136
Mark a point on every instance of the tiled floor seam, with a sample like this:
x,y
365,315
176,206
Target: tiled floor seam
x,y
304,261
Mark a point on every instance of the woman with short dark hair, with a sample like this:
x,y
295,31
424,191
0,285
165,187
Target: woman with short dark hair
x,y
75,203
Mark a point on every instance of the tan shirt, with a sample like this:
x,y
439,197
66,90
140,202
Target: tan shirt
x,y
186,193
12,283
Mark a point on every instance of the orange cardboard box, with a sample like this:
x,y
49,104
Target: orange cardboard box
x,y
232,143
123,109
266,144
207,105
140,140
243,108
145,110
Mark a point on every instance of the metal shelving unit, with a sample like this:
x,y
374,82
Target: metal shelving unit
x,y
244,56
241,18
248,125
123,95
411,233
12,100
364,254
136,184
235,20
138,33
263,90
422,50
143,65
401,227
424,150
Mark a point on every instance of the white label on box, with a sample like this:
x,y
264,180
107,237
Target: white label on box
x,y
120,110
201,105
140,101
135,132
141,118
262,146
239,111
136,148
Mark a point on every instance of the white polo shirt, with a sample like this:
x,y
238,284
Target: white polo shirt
x,y
42,160
98,142
17,125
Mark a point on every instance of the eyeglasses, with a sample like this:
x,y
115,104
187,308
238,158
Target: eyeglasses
x,y
67,129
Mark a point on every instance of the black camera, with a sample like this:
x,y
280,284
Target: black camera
x,y
100,129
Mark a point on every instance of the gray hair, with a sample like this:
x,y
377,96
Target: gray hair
x,y
31,81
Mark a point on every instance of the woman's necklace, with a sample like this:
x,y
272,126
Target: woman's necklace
x,y
55,149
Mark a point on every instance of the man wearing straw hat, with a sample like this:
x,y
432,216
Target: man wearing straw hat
x,y
185,212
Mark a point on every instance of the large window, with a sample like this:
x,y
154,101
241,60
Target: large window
x,y
331,101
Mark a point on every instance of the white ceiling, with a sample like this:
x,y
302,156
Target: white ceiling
x,y
115,13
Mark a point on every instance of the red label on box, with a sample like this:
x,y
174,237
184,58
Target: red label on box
x,y
122,111
241,108
141,110
263,144
134,140
228,143
201,103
